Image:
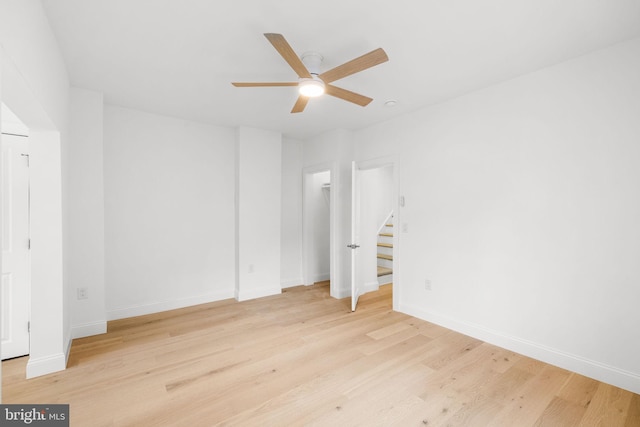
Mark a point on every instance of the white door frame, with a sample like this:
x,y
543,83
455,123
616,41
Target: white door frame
x,y
376,163
19,317
356,259
307,225
50,340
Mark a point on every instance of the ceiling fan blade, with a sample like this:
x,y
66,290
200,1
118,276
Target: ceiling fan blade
x,y
300,104
361,63
284,49
265,84
347,95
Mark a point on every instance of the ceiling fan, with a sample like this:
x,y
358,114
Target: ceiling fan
x,y
311,82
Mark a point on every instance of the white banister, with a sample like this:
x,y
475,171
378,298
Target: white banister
x,y
385,222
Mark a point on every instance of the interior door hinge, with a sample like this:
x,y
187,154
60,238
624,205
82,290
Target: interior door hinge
x,y
29,244
29,326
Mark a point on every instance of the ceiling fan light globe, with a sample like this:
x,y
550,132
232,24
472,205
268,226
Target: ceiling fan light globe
x,y
311,87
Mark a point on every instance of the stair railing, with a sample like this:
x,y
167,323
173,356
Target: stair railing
x,y
385,222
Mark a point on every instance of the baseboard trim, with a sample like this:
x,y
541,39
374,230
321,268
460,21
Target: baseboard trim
x,y
370,287
89,329
323,277
590,368
342,293
37,367
290,283
160,306
385,280
257,293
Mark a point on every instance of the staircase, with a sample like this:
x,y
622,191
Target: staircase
x,y
385,254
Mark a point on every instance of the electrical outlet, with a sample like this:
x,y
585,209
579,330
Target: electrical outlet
x,y
251,268
427,285
83,293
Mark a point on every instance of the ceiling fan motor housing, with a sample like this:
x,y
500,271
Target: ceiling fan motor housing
x,y
312,60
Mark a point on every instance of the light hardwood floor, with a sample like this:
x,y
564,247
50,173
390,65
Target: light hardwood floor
x,y
301,358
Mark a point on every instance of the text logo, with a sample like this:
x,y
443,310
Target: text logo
x,y
34,415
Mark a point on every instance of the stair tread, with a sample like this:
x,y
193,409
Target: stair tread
x,y
383,271
386,234
385,245
385,256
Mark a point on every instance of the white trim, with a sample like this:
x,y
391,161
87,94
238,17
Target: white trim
x,y
258,293
159,306
370,287
355,221
322,277
46,365
385,280
342,293
290,283
590,368
89,329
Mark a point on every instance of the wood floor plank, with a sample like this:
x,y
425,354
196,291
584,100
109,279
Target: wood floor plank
x,y
452,346
462,383
303,358
508,384
560,413
477,412
579,389
526,405
633,416
388,330
609,407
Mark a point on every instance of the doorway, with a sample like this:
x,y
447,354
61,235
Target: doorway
x,y
15,283
375,211
318,223
49,343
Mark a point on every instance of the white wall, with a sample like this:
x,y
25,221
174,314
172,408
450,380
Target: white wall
x,y
85,250
169,212
258,212
29,43
35,86
522,207
383,192
320,204
291,221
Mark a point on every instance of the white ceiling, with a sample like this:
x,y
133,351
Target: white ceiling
x,y
178,57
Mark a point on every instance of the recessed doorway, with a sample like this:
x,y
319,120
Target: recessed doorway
x,y
15,283
318,223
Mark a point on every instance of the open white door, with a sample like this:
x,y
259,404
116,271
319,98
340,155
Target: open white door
x,y
356,260
15,247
